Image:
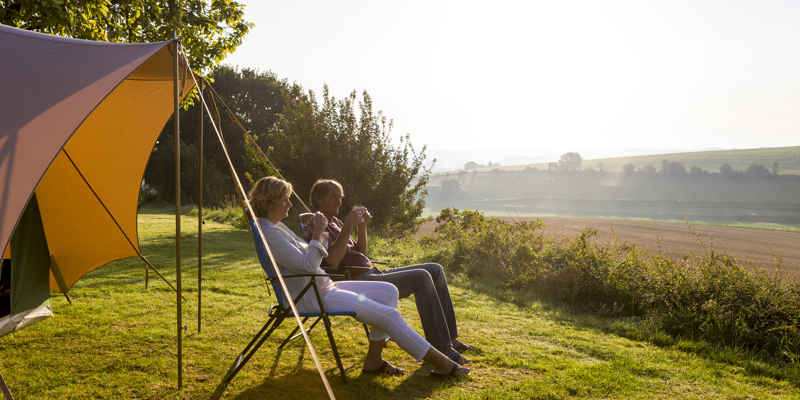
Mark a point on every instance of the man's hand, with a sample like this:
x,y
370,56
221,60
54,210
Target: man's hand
x,y
365,218
351,220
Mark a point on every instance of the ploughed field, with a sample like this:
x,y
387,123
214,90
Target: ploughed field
x,y
677,240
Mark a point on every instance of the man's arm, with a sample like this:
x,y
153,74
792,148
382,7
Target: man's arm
x,y
338,248
361,242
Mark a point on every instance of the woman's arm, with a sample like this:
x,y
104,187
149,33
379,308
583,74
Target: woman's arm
x,y
288,256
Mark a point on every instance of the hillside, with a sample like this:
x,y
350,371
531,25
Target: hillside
x,y
788,159
768,203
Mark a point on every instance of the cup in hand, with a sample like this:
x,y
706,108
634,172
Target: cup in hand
x,y
360,212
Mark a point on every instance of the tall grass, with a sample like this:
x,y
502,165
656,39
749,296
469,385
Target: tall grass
x,y
706,296
230,212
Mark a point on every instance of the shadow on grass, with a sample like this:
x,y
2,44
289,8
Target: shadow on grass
x,y
299,382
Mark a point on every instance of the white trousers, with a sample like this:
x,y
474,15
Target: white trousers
x,y
375,304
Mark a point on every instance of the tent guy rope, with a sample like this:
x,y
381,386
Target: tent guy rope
x,y
243,197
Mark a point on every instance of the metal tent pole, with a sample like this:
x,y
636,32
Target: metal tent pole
x,y
179,311
4,388
200,216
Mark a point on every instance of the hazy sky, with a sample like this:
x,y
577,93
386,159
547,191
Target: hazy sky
x,y
566,75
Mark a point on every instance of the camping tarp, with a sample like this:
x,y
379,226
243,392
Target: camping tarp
x,y
78,121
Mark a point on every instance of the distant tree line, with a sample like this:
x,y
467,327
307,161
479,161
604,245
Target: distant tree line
x,y
570,163
306,139
474,165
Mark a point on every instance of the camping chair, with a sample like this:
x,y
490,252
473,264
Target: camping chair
x,y
279,312
344,271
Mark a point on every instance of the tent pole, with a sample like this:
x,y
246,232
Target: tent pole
x,y
179,312
200,216
3,386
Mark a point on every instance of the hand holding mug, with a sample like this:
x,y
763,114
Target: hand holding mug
x,y
320,223
363,214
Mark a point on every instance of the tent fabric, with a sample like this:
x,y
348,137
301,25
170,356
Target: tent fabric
x,y
78,120
30,296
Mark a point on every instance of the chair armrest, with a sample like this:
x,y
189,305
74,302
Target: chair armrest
x,y
308,275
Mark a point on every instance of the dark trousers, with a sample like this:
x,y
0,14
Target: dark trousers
x,y
429,286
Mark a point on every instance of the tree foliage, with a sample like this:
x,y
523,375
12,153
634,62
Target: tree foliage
x,y
570,162
256,97
209,29
338,139
348,141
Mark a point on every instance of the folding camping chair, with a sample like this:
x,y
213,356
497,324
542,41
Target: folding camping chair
x,y
279,312
341,270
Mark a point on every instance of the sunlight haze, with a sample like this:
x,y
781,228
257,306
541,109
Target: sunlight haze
x,y
568,75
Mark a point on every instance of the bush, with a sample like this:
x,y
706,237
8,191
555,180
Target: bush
x,y
706,296
230,212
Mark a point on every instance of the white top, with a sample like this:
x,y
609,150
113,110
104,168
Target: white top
x,y
295,256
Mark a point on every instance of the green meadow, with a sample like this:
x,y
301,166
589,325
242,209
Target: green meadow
x,y
118,340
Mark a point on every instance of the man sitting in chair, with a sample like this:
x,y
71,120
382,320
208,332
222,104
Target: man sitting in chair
x,y
425,281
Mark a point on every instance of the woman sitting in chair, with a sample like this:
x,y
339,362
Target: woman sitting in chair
x,y
375,303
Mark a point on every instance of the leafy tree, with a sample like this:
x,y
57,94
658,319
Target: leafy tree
x,y
347,141
697,172
673,169
648,170
257,98
727,172
570,162
472,165
628,169
210,29
757,171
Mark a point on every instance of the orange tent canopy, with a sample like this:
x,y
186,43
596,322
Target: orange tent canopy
x,y
78,121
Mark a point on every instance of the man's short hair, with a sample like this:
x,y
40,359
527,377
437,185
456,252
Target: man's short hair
x,y
320,189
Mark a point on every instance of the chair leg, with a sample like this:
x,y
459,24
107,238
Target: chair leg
x,y
366,330
294,335
245,356
333,347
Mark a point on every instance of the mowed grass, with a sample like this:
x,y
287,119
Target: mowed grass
x,y
118,340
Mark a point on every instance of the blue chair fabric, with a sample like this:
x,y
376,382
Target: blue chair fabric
x,y
279,312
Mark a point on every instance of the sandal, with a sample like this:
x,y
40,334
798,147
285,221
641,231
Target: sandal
x,y
384,370
457,371
458,358
462,347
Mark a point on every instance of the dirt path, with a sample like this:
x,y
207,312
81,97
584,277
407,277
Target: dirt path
x,y
677,240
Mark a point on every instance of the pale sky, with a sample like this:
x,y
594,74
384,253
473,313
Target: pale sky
x,y
548,74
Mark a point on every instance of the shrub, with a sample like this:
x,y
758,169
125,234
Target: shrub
x,y
705,296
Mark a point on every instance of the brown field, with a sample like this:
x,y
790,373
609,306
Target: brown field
x,y
677,240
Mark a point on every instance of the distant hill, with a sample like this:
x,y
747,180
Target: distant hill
x,y
788,159
532,190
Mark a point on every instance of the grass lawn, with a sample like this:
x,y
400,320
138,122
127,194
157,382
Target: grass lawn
x,y
118,340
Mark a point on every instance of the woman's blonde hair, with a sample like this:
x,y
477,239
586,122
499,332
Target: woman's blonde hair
x,y
320,189
266,192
